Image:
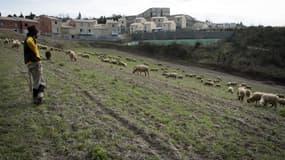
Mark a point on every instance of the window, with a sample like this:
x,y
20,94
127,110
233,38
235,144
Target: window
x,y
26,25
89,25
81,24
89,30
1,24
113,25
81,30
55,22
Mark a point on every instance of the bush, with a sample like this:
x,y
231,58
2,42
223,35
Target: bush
x,y
98,153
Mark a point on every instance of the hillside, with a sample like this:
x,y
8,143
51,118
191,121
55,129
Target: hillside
x,y
97,110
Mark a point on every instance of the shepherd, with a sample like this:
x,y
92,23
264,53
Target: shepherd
x,y
32,59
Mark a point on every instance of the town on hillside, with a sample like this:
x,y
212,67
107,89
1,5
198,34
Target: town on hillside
x,y
152,21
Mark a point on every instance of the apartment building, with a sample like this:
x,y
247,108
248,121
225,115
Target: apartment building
x,y
155,12
17,24
169,26
180,21
159,21
49,25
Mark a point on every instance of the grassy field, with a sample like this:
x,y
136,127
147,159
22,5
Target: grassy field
x,y
96,110
190,42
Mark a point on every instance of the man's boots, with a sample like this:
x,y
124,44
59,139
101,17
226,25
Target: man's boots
x,y
40,94
35,96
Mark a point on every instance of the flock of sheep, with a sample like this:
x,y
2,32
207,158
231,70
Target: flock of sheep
x,y
243,90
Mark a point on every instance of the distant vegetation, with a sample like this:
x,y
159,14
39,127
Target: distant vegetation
x,y
255,51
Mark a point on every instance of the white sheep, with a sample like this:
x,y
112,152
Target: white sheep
x,y
141,68
281,101
16,44
255,97
231,89
269,98
241,92
170,74
72,55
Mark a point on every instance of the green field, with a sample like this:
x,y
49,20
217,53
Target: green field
x,y
97,110
190,42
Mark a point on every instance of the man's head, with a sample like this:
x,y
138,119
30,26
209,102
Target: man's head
x,y
32,31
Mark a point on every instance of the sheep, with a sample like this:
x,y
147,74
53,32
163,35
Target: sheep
x,y
85,56
209,83
121,63
241,92
48,55
6,41
190,75
231,83
269,98
180,77
16,44
106,60
154,69
255,97
43,47
218,85
170,74
141,68
72,55
231,89
281,101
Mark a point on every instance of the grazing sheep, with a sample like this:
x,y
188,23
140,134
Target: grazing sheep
x,y
72,55
43,47
255,97
85,56
231,90
180,77
231,83
170,74
269,98
190,75
6,41
141,68
48,55
219,78
16,44
209,83
281,101
154,69
247,92
121,63
131,59
241,92
106,60
218,85
199,77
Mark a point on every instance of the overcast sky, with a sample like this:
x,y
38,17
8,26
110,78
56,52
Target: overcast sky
x,y
250,12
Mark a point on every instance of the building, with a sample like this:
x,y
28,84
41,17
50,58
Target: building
x,y
155,12
180,21
17,24
149,26
159,20
140,20
136,27
169,26
49,25
83,26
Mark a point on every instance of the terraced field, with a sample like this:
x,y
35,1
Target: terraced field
x,y
97,110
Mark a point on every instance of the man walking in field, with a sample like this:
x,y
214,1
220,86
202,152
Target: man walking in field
x,y
33,61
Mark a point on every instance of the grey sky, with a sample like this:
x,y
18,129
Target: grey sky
x,y
250,12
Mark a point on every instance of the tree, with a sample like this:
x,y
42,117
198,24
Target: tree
x,y
31,16
10,15
14,15
21,15
0,14
79,16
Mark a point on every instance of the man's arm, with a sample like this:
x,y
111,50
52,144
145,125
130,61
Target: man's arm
x,y
33,47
